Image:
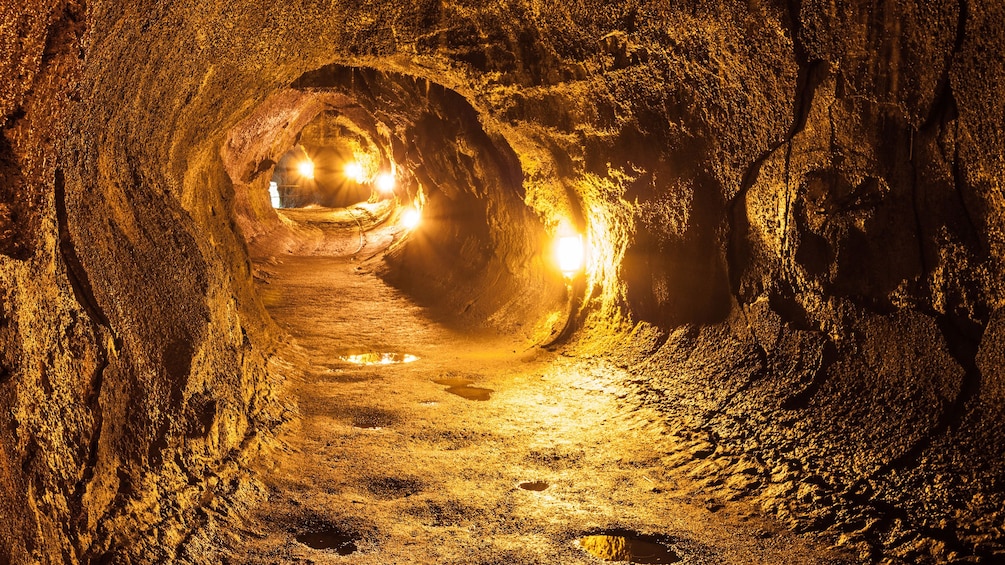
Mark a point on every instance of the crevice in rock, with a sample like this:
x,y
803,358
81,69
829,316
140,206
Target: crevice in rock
x,y
755,374
962,335
943,112
959,182
961,28
809,76
75,272
918,227
77,509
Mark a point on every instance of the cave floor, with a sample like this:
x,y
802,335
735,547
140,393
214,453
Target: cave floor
x,y
386,465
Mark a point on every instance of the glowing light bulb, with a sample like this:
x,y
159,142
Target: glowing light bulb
x,y
385,183
354,171
306,169
569,253
410,218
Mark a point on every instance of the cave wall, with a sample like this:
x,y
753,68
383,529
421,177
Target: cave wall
x,y
793,208
862,261
133,372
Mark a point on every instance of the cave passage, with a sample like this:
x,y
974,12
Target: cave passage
x,y
441,416
520,282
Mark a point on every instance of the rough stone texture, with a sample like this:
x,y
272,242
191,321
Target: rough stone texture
x,y
794,213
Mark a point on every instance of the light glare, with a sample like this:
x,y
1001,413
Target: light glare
x,y
570,253
410,218
385,183
306,169
354,171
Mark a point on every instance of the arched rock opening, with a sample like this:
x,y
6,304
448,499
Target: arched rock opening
x,y
481,253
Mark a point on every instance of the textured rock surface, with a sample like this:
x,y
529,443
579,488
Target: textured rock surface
x,y
794,211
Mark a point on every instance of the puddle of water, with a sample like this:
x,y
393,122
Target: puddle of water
x,y
379,358
328,539
627,546
462,387
536,486
471,392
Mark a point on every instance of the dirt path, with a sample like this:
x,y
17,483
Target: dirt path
x,y
388,466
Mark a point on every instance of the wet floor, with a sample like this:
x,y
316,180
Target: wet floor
x,y
628,547
378,358
331,538
486,451
536,486
462,387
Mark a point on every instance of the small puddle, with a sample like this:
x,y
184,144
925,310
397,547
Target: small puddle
x,y
627,546
462,387
379,358
536,486
329,539
471,392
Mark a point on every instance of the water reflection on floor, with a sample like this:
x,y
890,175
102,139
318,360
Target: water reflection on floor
x,y
379,358
627,546
329,538
536,486
462,387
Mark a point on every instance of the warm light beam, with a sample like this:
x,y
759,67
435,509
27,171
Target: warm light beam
x,y
306,169
354,171
570,254
385,183
410,218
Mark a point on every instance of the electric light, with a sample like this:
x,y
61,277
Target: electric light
x,y
306,169
410,218
385,183
354,171
569,253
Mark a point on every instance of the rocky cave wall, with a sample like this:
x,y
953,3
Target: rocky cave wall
x,y
794,214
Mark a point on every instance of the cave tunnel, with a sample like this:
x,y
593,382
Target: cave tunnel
x,y
524,282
